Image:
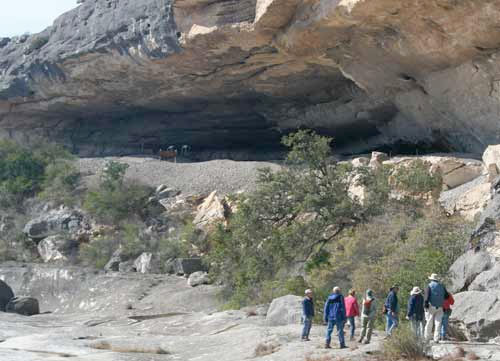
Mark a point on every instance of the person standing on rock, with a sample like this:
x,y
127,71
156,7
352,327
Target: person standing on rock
x,y
434,300
307,314
335,316
352,311
368,314
391,310
416,312
448,302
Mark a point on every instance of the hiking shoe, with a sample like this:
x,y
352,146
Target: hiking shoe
x,y
343,346
327,345
360,340
366,342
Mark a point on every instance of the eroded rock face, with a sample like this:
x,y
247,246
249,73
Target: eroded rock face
x,y
133,76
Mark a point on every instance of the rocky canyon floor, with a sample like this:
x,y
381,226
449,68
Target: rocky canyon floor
x,y
104,317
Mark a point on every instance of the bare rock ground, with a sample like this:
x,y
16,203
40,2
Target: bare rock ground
x,y
225,176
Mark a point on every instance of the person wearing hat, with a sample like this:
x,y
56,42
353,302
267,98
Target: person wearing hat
x,y
391,310
435,295
307,314
334,315
416,312
368,315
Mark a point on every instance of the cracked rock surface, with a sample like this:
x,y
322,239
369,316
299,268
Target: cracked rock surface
x,y
122,76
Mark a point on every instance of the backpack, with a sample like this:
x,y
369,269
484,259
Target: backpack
x,y
367,305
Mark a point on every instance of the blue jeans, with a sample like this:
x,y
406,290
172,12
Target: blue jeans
x,y
444,324
307,326
340,328
352,326
392,323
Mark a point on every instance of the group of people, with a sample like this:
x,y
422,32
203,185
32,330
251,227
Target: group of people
x,y
428,312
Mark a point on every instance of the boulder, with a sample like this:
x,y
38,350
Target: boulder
x,y
57,248
286,310
167,193
26,306
52,223
466,268
488,280
492,172
492,156
468,200
210,211
127,266
455,171
198,278
467,351
114,262
360,162
147,263
6,294
187,266
477,314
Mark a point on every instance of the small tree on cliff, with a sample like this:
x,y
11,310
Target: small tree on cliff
x,y
289,219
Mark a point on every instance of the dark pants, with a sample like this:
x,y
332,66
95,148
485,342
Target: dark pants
x,y
340,328
352,326
307,326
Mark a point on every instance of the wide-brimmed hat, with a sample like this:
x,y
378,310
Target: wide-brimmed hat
x,y
416,291
369,293
434,277
308,291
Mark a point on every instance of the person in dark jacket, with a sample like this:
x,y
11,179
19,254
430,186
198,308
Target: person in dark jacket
x,y
416,312
334,314
307,314
392,310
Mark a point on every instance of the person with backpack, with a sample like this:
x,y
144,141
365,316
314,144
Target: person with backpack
x,y
368,315
448,302
435,295
335,316
391,310
307,314
352,311
416,312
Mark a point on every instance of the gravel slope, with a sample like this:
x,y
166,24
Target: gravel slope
x,y
225,176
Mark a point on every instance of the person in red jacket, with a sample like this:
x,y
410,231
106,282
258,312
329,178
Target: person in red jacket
x,y
352,311
448,302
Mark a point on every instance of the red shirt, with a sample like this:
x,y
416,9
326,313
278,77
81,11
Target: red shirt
x,y
448,302
351,306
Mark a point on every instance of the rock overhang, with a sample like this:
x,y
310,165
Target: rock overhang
x,y
111,77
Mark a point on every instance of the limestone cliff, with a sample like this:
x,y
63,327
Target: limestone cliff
x,y
121,76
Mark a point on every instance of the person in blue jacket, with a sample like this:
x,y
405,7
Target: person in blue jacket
x,y
416,312
392,310
307,314
334,315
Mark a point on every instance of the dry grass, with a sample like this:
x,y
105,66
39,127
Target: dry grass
x,y
403,345
264,349
103,345
324,358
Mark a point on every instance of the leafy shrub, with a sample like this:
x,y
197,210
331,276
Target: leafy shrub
x,y
60,181
98,252
403,345
417,178
22,170
116,200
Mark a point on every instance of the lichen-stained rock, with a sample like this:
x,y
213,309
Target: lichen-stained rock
x,y
54,222
58,248
135,76
212,210
477,314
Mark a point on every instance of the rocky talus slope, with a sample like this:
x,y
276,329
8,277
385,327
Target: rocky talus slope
x,y
115,76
